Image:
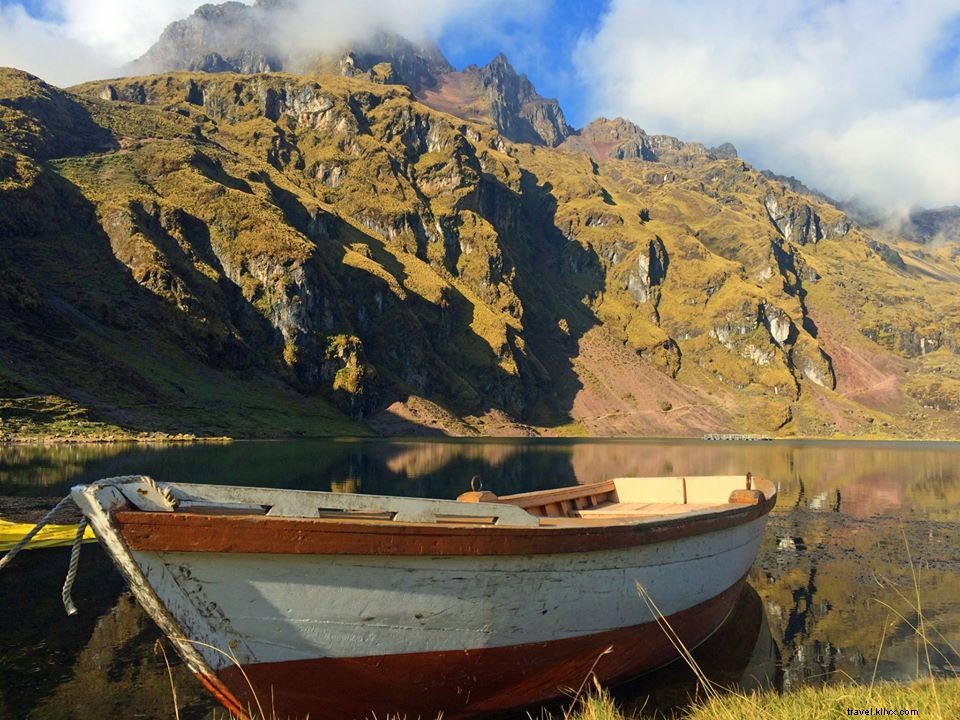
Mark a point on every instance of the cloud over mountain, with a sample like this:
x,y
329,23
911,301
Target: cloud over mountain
x,y
68,41
857,97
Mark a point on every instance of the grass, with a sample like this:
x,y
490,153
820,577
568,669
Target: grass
x,y
51,417
937,700
931,700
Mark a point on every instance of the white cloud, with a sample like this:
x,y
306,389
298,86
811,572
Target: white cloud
x,y
80,40
832,91
120,29
42,49
87,39
324,24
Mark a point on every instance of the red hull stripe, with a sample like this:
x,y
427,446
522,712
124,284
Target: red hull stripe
x,y
464,684
215,687
183,532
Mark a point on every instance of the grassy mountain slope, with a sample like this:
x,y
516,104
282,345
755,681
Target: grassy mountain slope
x,y
276,254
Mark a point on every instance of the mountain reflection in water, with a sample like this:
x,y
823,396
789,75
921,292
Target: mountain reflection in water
x,y
831,584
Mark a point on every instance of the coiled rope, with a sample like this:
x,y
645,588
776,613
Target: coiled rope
x,y
74,551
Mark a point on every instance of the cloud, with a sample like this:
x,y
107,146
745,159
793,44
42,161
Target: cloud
x,y
858,98
69,41
323,24
42,49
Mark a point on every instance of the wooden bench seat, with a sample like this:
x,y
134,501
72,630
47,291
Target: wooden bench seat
x,y
649,509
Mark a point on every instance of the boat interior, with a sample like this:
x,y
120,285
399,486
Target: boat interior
x,y
632,497
618,501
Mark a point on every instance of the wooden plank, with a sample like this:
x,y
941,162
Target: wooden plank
x,y
543,497
650,509
201,507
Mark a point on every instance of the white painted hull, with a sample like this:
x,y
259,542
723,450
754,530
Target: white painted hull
x,y
290,607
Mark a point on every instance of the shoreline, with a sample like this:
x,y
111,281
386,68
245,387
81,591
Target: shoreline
x,y
542,434
151,439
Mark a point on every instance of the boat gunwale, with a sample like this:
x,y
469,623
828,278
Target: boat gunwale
x,y
194,532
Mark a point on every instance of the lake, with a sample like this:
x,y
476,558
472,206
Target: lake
x,y
860,530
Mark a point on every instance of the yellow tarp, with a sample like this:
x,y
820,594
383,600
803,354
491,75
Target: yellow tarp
x,y
50,536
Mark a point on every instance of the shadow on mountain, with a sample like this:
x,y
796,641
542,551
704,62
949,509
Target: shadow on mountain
x,y
170,349
559,273
44,122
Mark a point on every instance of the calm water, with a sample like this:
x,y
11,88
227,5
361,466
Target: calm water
x,y
832,595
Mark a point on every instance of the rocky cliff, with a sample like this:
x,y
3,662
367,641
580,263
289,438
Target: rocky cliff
x,y
497,95
233,37
282,254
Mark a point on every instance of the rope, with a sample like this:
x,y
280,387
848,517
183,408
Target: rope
x,y
72,571
5,560
74,552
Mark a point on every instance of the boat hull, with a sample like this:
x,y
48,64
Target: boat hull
x,y
466,683
462,635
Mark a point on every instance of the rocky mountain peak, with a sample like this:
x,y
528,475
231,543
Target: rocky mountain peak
x,y
233,37
621,139
229,37
509,101
416,65
500,61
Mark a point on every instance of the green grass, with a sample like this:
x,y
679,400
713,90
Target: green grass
x,y
939,700
49,417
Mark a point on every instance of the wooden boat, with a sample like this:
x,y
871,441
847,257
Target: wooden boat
x,y
343,606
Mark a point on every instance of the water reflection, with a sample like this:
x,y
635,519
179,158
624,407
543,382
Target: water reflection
x,y
833,576
742,655
98,664
860,480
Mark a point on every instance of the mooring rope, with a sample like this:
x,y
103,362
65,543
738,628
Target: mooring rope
x,y
74,551
72,571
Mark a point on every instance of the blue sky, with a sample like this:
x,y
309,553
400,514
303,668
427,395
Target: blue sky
x,y
858,98
34,8
542,46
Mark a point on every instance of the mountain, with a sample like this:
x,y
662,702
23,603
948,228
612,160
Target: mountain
x,y
230,37
233,37
620,139
380,243
934,226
